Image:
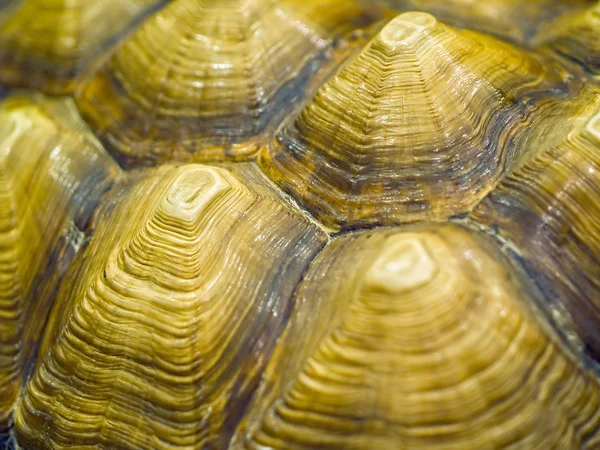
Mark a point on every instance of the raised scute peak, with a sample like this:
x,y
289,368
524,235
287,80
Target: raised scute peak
x,y
405,265
192,190
406,28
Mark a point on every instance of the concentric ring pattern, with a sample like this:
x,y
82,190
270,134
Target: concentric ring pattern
x,y
299,224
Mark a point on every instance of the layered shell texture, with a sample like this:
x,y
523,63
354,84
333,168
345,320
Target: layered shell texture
x,y
299,224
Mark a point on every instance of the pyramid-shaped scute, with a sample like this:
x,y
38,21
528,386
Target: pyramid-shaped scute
x,y
47,51
220,47
174,316
547,208
51,174
417,339
205,80
420,125
191,192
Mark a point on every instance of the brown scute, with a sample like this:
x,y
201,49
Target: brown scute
x,y
575,38
549,210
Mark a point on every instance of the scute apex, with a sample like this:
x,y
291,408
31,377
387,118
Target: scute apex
x,y
406,28
193,189
404,265
406,133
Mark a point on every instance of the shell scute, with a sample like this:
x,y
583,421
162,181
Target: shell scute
x,y
548,210
47,44
419,126
512,20
419,337
52,174
212,88
174,317
575,38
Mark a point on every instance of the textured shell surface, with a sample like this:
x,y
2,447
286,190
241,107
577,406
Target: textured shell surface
x,y
204,80
51,173
549,209
299,224
513,20
419,338
177,310
46,43
575,37
420,125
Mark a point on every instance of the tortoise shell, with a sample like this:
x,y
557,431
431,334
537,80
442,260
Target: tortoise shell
x,y
299,224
